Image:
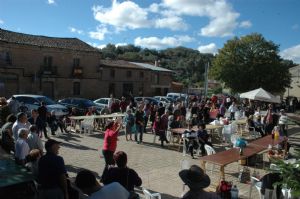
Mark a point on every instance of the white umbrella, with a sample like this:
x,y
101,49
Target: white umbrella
x,y
260,95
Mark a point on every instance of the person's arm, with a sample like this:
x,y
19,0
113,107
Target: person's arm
x,y
137,179
64,185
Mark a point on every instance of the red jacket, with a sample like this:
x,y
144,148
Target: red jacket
x,y
110,140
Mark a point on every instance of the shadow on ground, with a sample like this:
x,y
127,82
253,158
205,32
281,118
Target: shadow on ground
x,y
77,146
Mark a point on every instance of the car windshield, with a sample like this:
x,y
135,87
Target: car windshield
x,y
47,100
88,103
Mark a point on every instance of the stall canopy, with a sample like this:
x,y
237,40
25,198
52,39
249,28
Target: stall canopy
x,y
260,95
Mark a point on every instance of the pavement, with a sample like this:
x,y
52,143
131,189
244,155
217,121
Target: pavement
x,y
158,167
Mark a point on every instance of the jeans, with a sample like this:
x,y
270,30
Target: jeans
x,y
139,129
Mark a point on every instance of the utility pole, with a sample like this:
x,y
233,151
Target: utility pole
x,y
206,78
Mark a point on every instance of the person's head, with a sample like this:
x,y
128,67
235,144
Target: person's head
x,y
33,128
43,103
250,117
52,146
86,182
22,117
194,178
109,125
11,118
282,112
202,126
34,113
33,155
23,133
270,106
120,158
128,111
157,118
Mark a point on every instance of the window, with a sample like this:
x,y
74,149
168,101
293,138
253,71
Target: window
x,y
128,74
111,89
156,78
48,63
76,88
141,75
76,62
8,58
112,73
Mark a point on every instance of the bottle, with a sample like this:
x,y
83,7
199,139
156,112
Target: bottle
x,y
276,133
234,192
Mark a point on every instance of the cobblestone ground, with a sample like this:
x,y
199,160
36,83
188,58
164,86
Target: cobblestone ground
x,y
158,167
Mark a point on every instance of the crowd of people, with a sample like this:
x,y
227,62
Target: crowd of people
x,y
21,136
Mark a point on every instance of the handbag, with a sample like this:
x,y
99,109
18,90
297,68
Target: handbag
x,y
223,189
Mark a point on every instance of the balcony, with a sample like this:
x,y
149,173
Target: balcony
x,y
77,72
46,70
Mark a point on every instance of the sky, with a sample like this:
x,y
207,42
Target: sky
x,y
204,25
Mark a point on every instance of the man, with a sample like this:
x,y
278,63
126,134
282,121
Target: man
x,y
139,122
86,181
42,110
52,173
232,109
33,139
21,148
197,181
36,120
269,120
21,122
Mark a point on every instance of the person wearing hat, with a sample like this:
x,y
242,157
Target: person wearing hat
x,y
52,174
196,180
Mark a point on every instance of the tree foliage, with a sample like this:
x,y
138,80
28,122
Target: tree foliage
x,y
251,62
187,63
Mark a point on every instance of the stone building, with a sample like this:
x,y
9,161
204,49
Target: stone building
x,y
66,67
294,90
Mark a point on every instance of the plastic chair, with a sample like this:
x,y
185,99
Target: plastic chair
x,y
87,125
209,150
269,193
149,195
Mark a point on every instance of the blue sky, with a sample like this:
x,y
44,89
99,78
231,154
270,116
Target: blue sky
x,y
199,24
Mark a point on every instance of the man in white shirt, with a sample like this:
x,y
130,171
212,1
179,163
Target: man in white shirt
x,y
20,123
33,140
232,109
86,181
22,148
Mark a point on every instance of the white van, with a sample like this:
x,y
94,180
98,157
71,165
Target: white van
x,y
176,96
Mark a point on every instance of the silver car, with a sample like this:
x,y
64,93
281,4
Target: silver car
x,y
34,101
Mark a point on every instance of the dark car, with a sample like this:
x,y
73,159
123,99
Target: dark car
x,y
146,99
80,104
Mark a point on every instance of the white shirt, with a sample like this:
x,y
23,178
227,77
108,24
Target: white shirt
x,y
18,125
111,191
22,149
232,109
34,141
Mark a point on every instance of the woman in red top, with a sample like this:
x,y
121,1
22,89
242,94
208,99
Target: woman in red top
x,y
110,142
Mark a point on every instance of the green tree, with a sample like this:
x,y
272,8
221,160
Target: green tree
x,y
251,62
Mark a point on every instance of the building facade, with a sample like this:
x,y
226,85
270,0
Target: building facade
x,y
68,67
294,90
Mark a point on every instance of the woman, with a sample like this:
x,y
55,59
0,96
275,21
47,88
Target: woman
x,y
159,130
122,174
110,142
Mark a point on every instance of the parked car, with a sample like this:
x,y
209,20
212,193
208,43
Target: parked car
x,y
80,104
177,96
103,102
34,101
147,99
165,100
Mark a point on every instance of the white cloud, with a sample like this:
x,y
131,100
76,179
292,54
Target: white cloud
x,y
121,44
122,15
160,43
223,19
99,34
292,53
95,45
172,22
51,2
210,48
154,8
1,21
245,24
75,30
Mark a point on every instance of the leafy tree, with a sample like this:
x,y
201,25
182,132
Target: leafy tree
x,y
251,62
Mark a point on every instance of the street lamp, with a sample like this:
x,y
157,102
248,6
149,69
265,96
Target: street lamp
x,y
206,78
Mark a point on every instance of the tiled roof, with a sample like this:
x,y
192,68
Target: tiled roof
x,y
151,67
120,64
43,41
